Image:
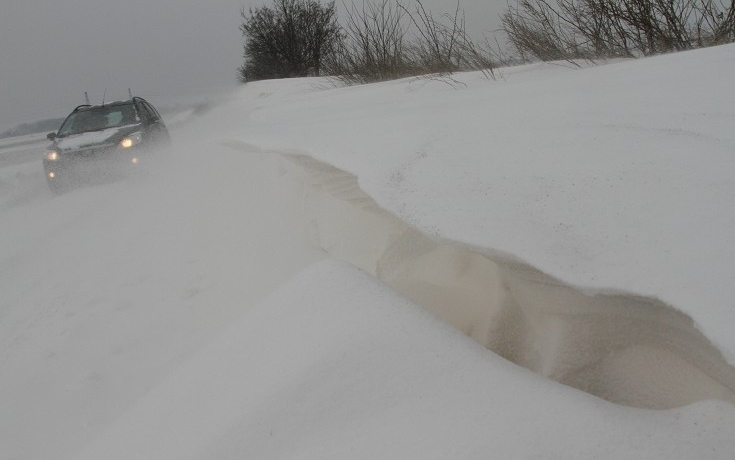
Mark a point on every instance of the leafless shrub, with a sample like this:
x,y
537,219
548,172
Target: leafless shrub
x,y
443,46
374,46
388,40
535,28
585,29
437,45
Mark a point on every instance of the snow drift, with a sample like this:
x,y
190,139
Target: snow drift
x,y
624,348
613,178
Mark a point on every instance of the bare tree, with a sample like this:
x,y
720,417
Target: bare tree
x,y
387,39
289,39
374,45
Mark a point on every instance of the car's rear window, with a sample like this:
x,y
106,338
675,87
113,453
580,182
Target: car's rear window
x,y
99,118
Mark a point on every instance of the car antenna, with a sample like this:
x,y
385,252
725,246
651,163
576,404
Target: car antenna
x,y
103,96
130,93
86,98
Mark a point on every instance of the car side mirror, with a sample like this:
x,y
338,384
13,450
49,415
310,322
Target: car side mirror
x,y
51,136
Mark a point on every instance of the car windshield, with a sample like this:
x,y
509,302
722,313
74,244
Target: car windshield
x,y
99,118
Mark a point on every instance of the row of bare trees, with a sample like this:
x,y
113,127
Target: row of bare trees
x,y
589,29
388,39
380,40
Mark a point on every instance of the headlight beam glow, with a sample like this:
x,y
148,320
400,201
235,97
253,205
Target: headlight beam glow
x,y
131,140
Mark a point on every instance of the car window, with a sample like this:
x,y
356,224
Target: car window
x,y
144,112
99,118
150,113
114,118
153,111
128,115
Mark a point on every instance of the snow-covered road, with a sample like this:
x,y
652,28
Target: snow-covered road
x,y
107,289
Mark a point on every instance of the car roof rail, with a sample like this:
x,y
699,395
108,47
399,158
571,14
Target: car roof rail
x,y
79,107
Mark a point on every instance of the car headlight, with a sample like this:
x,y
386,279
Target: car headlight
x,y
131,140
51,155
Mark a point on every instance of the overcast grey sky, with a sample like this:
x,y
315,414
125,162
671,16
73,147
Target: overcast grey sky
x,y
52,51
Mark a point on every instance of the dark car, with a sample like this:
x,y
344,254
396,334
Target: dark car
x,y
101,142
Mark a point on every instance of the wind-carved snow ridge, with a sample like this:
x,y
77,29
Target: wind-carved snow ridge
x,y
626,349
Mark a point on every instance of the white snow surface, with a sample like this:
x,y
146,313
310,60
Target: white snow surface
x,y
186,314
613,178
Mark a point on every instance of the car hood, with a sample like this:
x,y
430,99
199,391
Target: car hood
x,y
106,137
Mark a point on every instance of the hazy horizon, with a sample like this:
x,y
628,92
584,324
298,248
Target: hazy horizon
x,y
169,51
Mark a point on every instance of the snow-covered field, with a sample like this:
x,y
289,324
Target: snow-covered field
x,y
321,272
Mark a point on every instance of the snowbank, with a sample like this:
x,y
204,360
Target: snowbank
x,y
612,179
626,349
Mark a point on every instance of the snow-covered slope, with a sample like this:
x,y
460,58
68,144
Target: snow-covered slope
x,y
189,314
614,178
